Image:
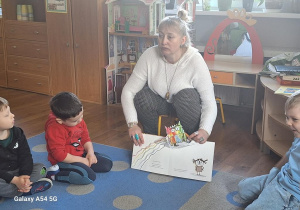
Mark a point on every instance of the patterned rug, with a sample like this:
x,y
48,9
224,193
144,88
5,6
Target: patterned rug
x,y
126,188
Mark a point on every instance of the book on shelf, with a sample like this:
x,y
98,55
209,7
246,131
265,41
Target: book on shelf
x,y
291,77
287,69
286,90
289,82
25,12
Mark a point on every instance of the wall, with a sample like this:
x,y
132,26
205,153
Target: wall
x,y
277,35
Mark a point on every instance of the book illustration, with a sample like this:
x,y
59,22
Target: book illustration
x,y
286,90
176,137
192,161
199,165
144,154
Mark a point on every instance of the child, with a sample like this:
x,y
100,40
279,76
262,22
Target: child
x,y
69,146
18,175
280,189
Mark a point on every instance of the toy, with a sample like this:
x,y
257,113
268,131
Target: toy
x,y
176,135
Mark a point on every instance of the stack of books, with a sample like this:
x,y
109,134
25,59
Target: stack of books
x,y
291,80
25,12
288,75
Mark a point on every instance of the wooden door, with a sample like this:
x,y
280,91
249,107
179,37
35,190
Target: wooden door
x,y
60,44
87,20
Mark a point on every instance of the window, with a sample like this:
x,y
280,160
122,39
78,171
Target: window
x,y
235,4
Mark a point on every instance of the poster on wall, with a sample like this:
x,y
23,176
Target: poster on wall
x,y
58,6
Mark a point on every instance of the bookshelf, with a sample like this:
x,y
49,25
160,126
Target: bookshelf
x,y
26,54
60,50
132,29
272,130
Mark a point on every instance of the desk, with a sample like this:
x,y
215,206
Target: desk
x,y
272,130
240,75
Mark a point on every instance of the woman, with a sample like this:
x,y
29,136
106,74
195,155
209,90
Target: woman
x,y
170,78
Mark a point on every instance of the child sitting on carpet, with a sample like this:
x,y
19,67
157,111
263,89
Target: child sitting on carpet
x,y
280,189
19,176
69,146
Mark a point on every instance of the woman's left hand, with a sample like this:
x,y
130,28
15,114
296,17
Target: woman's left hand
x,y
200,136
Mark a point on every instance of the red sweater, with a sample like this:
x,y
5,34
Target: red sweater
x,y
62,139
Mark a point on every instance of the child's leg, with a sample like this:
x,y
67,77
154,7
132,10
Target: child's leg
x,y
104,163
8,190
39,171
274,196
75,173
250,188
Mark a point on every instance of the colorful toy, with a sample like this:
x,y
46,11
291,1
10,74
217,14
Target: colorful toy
x,y
176,135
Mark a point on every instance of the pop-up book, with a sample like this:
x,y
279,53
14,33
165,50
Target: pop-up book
x,y
174,155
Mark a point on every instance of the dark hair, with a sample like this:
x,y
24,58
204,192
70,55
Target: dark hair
x,y
65,105
3,103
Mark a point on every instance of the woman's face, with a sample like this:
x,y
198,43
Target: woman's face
x,y
169,41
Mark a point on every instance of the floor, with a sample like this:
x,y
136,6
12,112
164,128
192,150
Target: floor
x,y
236,150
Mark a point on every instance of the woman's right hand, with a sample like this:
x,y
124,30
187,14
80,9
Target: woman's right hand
x,y
136,135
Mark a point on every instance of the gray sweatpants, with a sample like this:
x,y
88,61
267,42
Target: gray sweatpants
x,y
186,106
9,190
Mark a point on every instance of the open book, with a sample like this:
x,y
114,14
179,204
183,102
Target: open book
x,y
287,90
191,161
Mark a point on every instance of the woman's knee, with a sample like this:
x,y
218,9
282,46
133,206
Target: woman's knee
x,y
188,94
187,99
146,99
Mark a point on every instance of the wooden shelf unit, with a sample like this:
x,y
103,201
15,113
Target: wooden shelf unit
x,y
26,48
58,51
125,48
237,75
10,9
276,135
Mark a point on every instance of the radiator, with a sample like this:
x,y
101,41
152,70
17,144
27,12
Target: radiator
x,y
235,96
229,95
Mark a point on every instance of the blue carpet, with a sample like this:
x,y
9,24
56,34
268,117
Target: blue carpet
x,y
121,188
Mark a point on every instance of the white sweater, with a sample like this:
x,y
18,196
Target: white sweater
x,y
192,72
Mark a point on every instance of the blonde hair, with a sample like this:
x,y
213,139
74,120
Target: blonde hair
x,y
3,103
293,100
181,21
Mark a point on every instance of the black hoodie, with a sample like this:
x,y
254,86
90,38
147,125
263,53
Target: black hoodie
x,y
16,155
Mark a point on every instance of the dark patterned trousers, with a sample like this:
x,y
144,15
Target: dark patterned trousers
x,y
186,106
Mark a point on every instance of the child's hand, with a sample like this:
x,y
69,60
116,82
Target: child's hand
x,y
86,161
23,183
91,158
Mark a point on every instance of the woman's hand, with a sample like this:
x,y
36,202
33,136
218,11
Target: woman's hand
x,y
136,135
199,136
